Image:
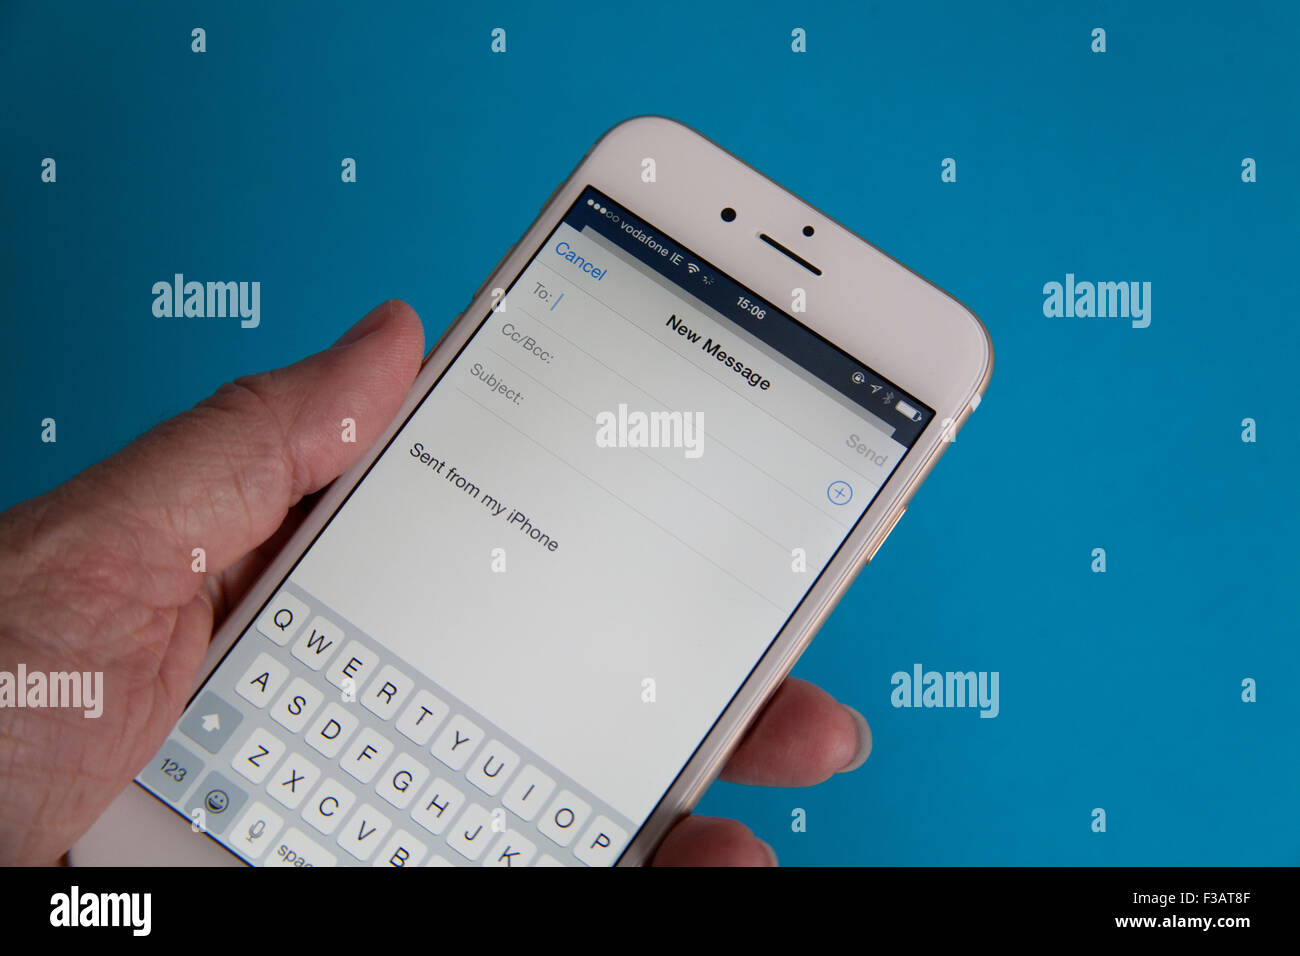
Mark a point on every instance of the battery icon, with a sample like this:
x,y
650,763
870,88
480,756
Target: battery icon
x,y
909,411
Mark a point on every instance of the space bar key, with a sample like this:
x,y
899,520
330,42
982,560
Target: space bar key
x,y
295,849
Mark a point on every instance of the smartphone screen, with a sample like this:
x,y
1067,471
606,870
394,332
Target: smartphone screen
x,y
510,639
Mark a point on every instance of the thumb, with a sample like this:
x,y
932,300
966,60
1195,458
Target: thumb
x,y
223,475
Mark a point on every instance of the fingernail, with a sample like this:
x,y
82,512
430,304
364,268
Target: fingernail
x,y
864,741
771,854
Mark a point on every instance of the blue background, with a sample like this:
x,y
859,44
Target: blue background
x,y
1118,690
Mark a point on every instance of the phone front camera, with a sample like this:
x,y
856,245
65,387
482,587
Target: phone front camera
x,y
728,214
807,230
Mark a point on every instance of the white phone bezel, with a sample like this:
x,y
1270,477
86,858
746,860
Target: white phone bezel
x,y
865,302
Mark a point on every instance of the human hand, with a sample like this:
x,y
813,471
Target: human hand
x,y
96,575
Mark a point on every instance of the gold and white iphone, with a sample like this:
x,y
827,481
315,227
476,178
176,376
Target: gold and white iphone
x,y
630,482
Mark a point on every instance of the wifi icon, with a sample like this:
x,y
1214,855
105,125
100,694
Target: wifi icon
x,y
692,268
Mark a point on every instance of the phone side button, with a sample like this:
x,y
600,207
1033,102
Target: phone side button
x,y
447,331
554,192
885,537
479,291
